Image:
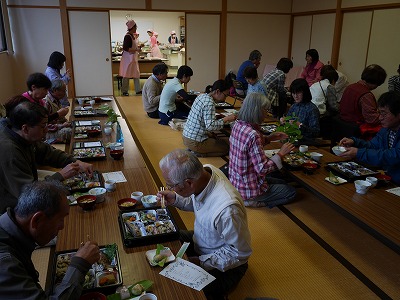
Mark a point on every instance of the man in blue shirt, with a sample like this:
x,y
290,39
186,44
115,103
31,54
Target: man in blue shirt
x,y
253,61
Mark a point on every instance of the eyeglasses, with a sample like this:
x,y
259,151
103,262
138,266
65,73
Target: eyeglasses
x,y
173,186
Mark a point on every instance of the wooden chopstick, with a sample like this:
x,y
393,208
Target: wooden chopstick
x,y
162,197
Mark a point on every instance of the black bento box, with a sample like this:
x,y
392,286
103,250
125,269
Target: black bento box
x,y
147,226
350,170
83,183
104,276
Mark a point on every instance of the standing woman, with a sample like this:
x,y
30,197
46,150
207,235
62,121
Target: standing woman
x,y
53,72
155,50
129,66
312,71
198,132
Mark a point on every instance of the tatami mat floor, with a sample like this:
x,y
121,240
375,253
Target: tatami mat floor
x,y
287,263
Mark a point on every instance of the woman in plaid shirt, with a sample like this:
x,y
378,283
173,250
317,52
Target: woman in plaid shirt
x,y
248,164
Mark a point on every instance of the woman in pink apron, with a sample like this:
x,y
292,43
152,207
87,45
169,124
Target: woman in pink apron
x,y
155,50
129,66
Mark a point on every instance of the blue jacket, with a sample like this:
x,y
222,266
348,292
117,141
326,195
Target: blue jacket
x,y
376,152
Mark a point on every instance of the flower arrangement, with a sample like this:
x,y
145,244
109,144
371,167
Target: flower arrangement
x,y
289,126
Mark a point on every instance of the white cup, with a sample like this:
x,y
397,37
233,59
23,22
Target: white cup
x,y
137,196
362,186
92,102
110,185
148,296
372,180
100,194
316,156
107,130
81,101
303,148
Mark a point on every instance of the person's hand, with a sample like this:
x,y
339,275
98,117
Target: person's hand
x,y
68,73
286,149
85,167
66,124
89,251
70,170
349,153
282,120
229,118
62,112
169,197
276,136
346,142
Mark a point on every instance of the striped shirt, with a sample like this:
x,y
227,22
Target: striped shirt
x,y
394,83
202,119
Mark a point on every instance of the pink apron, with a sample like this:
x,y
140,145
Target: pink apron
x,y
155,51
129,66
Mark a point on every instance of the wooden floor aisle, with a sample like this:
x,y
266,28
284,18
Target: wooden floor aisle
x,y
304,251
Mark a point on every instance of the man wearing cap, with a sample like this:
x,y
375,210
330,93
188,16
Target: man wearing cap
x,y
129,66
173,39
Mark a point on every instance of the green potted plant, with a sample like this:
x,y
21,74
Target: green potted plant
x,y
290,127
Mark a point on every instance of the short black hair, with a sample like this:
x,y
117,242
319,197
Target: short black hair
x,y
39,80
301,85
326,68
27,113
255,55
374,74
284,64
220,84
314,54
56,60
250,72
331,75
160,68
184,71
390,100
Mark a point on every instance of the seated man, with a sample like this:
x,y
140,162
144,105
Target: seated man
x,y
22,149
255,85
221,236
37,218
253,61
358,104
383,150
168,109
59,129
152,90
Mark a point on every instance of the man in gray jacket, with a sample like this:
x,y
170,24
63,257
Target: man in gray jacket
x,y
36,219
152,89
22,149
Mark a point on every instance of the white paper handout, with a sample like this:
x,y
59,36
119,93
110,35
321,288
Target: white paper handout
x,y
116,176
188,274
395,191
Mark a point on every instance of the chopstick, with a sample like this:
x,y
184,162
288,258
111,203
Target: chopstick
x,y
162,197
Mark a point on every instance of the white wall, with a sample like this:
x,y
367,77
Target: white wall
x,y
267,33
203,5
162,22
6,78
312,5
36,33
138,4
282,6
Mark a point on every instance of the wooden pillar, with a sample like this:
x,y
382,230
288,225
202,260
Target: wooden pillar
x,y
222,40
337,34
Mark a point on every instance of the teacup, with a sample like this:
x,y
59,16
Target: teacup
x,y
100,194
303,148
137,196
92,102
81,101
372,180
148,296
316,156
362,186
110,185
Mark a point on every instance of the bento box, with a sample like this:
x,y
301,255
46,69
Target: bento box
x,y
83,183
350,170
104,276
89,150
147,226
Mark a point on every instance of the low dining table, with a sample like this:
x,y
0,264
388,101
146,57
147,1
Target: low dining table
x,y
101,224
377,211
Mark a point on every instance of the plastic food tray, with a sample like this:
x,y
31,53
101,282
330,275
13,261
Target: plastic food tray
x,y
82,183
95,274
350,170
89,150
147,226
